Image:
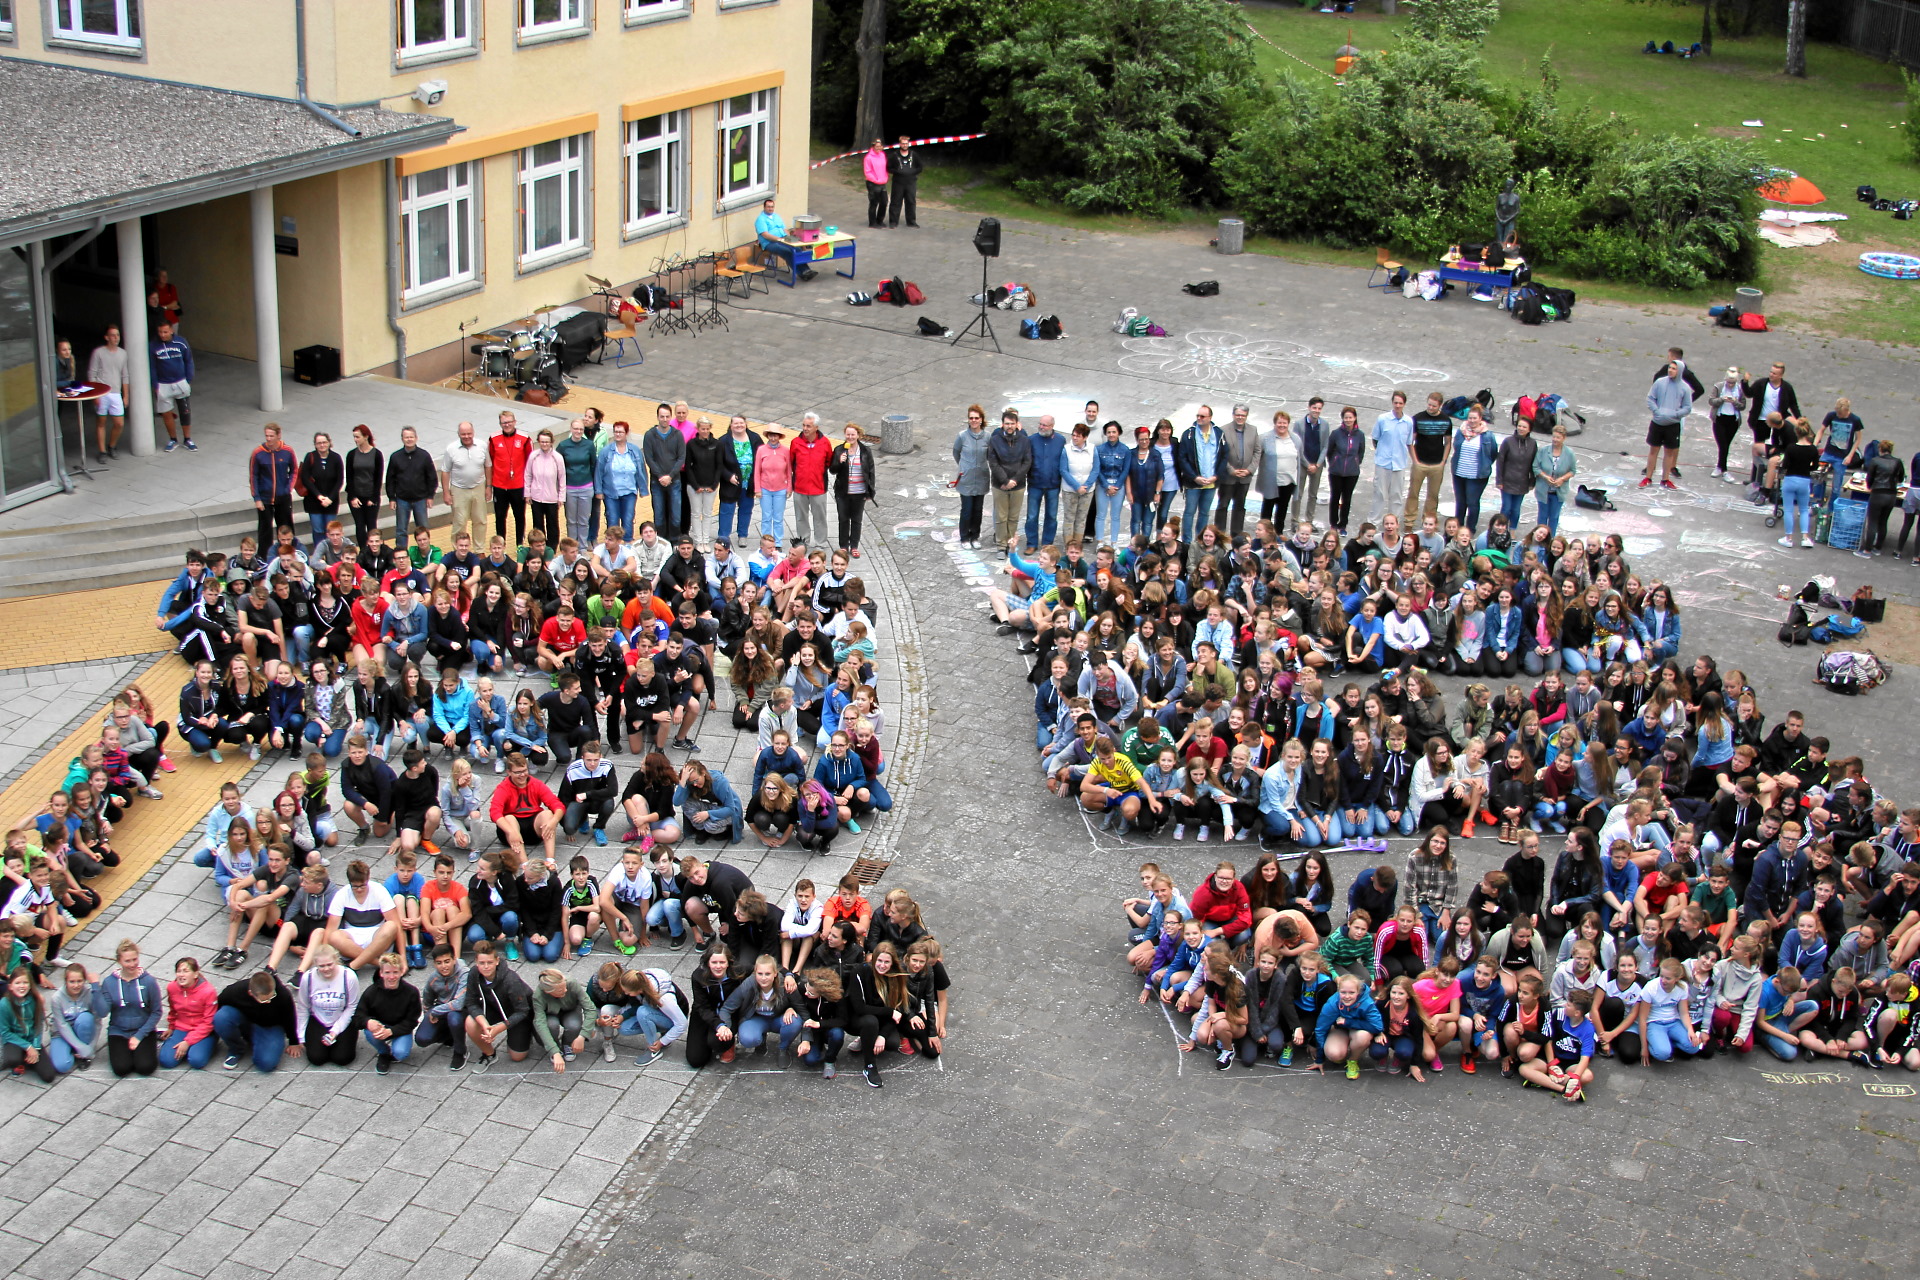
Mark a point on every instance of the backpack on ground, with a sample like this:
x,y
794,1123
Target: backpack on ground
x,y
891,291
1850,671
1042,327
934,329
1561,300
1753,323
915,297
1846,628
1795,629
1124,325
651,297
858,299
1592,499
1729,318
1202,288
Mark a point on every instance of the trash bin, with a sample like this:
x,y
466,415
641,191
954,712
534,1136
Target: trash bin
x,y
896,433
1750,301
1233,235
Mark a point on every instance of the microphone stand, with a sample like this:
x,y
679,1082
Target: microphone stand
x,y
980,321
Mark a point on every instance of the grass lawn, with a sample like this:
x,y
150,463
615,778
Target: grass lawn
x,y
1834,127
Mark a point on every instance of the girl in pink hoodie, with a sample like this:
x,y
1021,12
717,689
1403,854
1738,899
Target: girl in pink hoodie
x,y
773,477
190,1001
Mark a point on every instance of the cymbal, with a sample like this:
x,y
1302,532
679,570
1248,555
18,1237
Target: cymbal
x,y
551,306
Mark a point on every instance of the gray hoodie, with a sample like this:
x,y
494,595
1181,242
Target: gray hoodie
x,y
1739,985
1669,399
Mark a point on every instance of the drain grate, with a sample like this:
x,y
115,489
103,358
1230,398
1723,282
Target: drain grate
x,y
869,870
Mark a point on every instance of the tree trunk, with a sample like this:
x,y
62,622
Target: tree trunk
x,y
871,46
1706,26
1797,37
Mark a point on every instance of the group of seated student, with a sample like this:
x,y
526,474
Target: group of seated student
x,y
546,668
817,977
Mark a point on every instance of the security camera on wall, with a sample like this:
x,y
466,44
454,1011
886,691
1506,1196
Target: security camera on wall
x,y
429,92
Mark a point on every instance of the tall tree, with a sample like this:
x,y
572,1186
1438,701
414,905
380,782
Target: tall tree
x,y
1797,37
1706,25
871,46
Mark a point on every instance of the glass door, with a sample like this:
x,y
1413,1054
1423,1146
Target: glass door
x,y
28,468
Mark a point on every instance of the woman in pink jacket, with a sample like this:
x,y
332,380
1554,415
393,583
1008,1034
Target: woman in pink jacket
x,y
773,477
190,1001
546,486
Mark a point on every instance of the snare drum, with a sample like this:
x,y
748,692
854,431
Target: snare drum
x,y
495,361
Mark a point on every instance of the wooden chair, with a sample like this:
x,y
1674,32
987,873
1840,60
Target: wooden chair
x,y
725,270
626,347
753,271
1381,262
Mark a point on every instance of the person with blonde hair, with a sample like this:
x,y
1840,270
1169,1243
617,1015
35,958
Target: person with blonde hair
x,y
387,1013
560,1015
324,999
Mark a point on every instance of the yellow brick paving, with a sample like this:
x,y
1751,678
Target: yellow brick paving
x,y
80,626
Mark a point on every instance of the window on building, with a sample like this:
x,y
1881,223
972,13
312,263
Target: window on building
x,y
551,17
746,146
430,27
438,213
641,10
553,199
110,24
6,17
656,171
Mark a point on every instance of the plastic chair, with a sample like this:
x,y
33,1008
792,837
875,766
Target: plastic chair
x,y
754,272
1381,262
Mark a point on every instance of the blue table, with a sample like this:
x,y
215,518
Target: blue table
x,y
806,253
1500,280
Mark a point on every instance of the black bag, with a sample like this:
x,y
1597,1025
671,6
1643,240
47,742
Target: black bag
x,y
1049,327
651,297
1870,610
1729,318
1561,300
1202,289
932,328
1795,629
1593,499
891,291
1865,195
1526,305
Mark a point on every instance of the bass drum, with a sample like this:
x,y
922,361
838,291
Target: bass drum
x,y
496,361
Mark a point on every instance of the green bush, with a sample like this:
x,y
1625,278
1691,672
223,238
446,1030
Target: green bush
x,y
1121,105
1911,125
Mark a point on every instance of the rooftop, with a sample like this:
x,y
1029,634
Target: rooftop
x,y
80,144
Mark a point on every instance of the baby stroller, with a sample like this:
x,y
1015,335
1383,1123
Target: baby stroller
x,y
1763,495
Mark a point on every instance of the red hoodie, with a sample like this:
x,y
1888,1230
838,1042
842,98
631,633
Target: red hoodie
x,y
810,461
1232,910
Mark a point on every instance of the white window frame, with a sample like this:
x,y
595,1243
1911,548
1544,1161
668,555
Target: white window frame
x,y
576,198
459,14
65,26
572,20
461,199
763,114
6,19
636,12
672,140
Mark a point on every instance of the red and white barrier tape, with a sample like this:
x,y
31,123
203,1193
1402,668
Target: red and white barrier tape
x,y
915,142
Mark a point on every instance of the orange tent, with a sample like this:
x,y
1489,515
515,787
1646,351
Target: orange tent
x,y
1791,188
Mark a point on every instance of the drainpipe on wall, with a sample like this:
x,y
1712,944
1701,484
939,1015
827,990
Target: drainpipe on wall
x,y
393,272
300,73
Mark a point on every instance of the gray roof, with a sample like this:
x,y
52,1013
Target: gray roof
x,y
81,144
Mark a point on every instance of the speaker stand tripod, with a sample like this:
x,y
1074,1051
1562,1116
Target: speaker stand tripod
x,y
467,371
980,321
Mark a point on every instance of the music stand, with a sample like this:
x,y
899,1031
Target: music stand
x,y
466,371
985,325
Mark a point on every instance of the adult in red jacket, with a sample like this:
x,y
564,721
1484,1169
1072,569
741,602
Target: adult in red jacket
x,y
522,804
270,471
1222,906
507,455
812,456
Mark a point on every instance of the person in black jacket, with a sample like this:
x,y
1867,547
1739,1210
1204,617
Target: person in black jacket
x,y
590,789
255,1017
870,1019
709,1031
903,168
495,900
540,929
854,485
388,1011
366,470
415,796
321,476
602,669
701,479
823,1020
411,482
1771,394
708,892
498,1007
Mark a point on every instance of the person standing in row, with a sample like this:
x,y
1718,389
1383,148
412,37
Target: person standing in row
x,y
270,471
411,481
1047,447
1311,432
665,451
108,365
1198,462
1432,449
873,166
1009,460
904,165
1239,461
812,455
1392,455
580,455
463,486
854,481
507,455
320,479
366,470
971,479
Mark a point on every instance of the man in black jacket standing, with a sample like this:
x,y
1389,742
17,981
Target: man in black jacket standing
x,y
904,166
411,480
1770,395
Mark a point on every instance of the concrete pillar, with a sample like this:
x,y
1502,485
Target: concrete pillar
x,y
266,300
135,338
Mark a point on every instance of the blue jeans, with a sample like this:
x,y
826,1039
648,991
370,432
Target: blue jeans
x,y
267,1045
1510,504
648,1022
295,728
1547,811
318,521
399,1048
300,640
1142,519
1537,663
825,1047
620,511
756,1031
1466,499
1312,839
667,911
1664,1038
1198,507
773,514
669,507
735,519
1573,661
1108,508
61,1053
1041,529
881,798
175,1051
543,952
509,927
1783,1049
451,1030
1796,496
405,516
482,654
1550,512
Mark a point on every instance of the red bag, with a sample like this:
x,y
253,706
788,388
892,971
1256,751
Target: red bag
x,y
914,296
1753,323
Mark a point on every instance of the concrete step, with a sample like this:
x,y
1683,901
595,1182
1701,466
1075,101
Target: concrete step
x,y
104,535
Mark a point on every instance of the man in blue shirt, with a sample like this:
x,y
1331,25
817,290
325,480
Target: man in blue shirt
x,y
171,362
769,225
1392,455
1043,485
1197,460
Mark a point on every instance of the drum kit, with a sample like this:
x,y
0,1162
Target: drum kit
x,y
514,357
